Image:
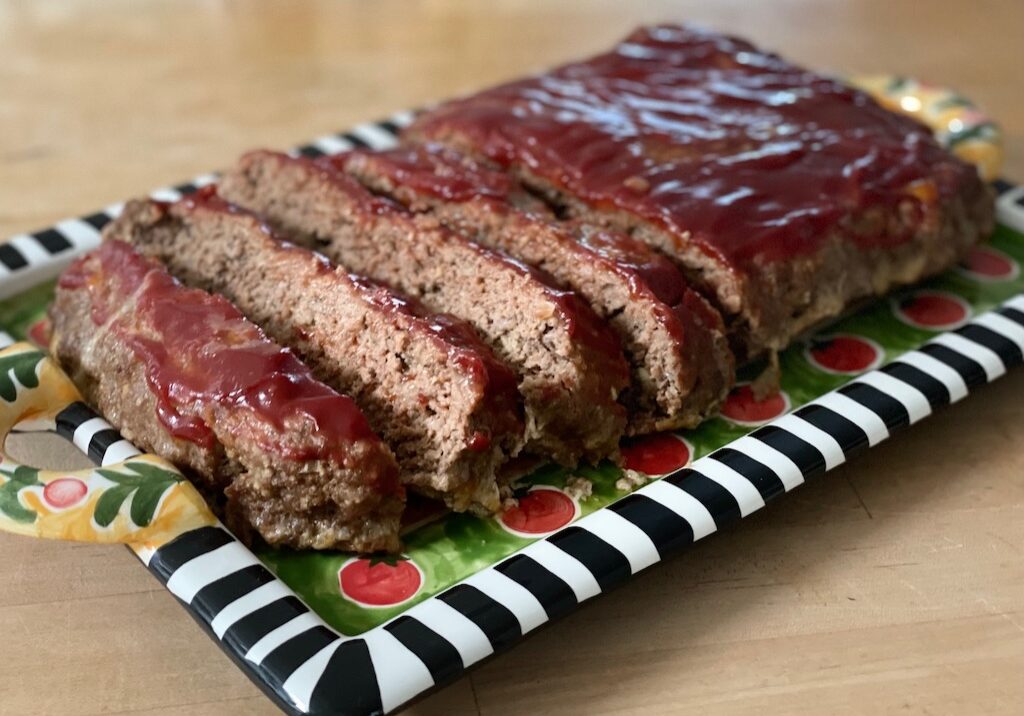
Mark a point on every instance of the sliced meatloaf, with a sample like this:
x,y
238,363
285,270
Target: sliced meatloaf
x,y
436,393
181,373
674,340
784,194
569,364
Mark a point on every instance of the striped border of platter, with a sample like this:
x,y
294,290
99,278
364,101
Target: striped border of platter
x,y
309,668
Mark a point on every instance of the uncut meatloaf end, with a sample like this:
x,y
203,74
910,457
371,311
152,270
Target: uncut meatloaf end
x,y
681,366
436,393
182,374
569,364
784,195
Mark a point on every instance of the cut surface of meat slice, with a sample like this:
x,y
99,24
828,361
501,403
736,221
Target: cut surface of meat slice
x,y
181,373
681,367
569,364
437,394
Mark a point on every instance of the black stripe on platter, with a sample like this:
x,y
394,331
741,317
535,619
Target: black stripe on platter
x,y
310,152
186,547
968,368
608,565
282,662
1002,186
807,457
761,476
442,660
1008,351
97,220
1012,313
348,684
388,126
11,257
892,412
100,442
357,142
551,591
52,240
255,625
494,619
850,436
933,390
719,502
71,417
211,599
186,188
667,530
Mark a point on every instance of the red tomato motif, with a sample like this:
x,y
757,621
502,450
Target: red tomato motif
x,y
933,310
379,584
743,408
657,454
844,354
64,492
989,264
541,510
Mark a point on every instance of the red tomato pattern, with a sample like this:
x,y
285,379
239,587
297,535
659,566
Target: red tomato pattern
x,y
845,354
64,492
989,264
932,310
541,510
742,407
657,454
379,584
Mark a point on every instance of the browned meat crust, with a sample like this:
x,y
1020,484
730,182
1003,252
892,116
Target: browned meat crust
x,y
784,195
448,408
181,373
681,366
570,365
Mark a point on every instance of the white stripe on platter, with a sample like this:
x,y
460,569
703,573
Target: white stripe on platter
x,y
196,573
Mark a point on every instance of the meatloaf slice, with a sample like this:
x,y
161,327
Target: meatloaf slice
x,y
435,392
674,340
183,374
570,365
784,194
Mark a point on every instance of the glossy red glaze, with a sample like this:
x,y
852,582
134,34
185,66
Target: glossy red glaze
x,y
199,351
728,148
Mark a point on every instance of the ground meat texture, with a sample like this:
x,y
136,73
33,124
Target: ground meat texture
x,y
674,340
436,393
570,365
181,373
784,195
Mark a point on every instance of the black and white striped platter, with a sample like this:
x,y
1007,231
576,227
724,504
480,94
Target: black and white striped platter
x,y
308,667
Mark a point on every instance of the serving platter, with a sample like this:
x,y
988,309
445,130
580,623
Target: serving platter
x,y
331,633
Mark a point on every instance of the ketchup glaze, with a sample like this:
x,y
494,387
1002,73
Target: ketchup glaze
x,y
726,147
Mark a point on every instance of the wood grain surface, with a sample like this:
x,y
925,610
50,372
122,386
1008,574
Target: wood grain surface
x,y
893,585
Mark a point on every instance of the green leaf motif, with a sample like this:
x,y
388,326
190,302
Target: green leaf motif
x,y
146,484
110,503
21,477
144,502
23,367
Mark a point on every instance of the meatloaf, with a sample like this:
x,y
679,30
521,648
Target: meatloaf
x,y
436,393
784,194
183,374
674,340
569,364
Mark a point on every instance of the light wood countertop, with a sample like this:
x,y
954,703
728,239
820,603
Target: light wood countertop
x,y
893,585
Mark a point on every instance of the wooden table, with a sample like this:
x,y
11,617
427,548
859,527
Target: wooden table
x,y
893,585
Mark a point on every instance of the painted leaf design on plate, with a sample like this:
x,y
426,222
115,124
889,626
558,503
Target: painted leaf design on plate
x,y
145,485
23,367
21,477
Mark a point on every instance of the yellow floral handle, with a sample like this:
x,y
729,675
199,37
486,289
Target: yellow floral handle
x,y
143,501
957,123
